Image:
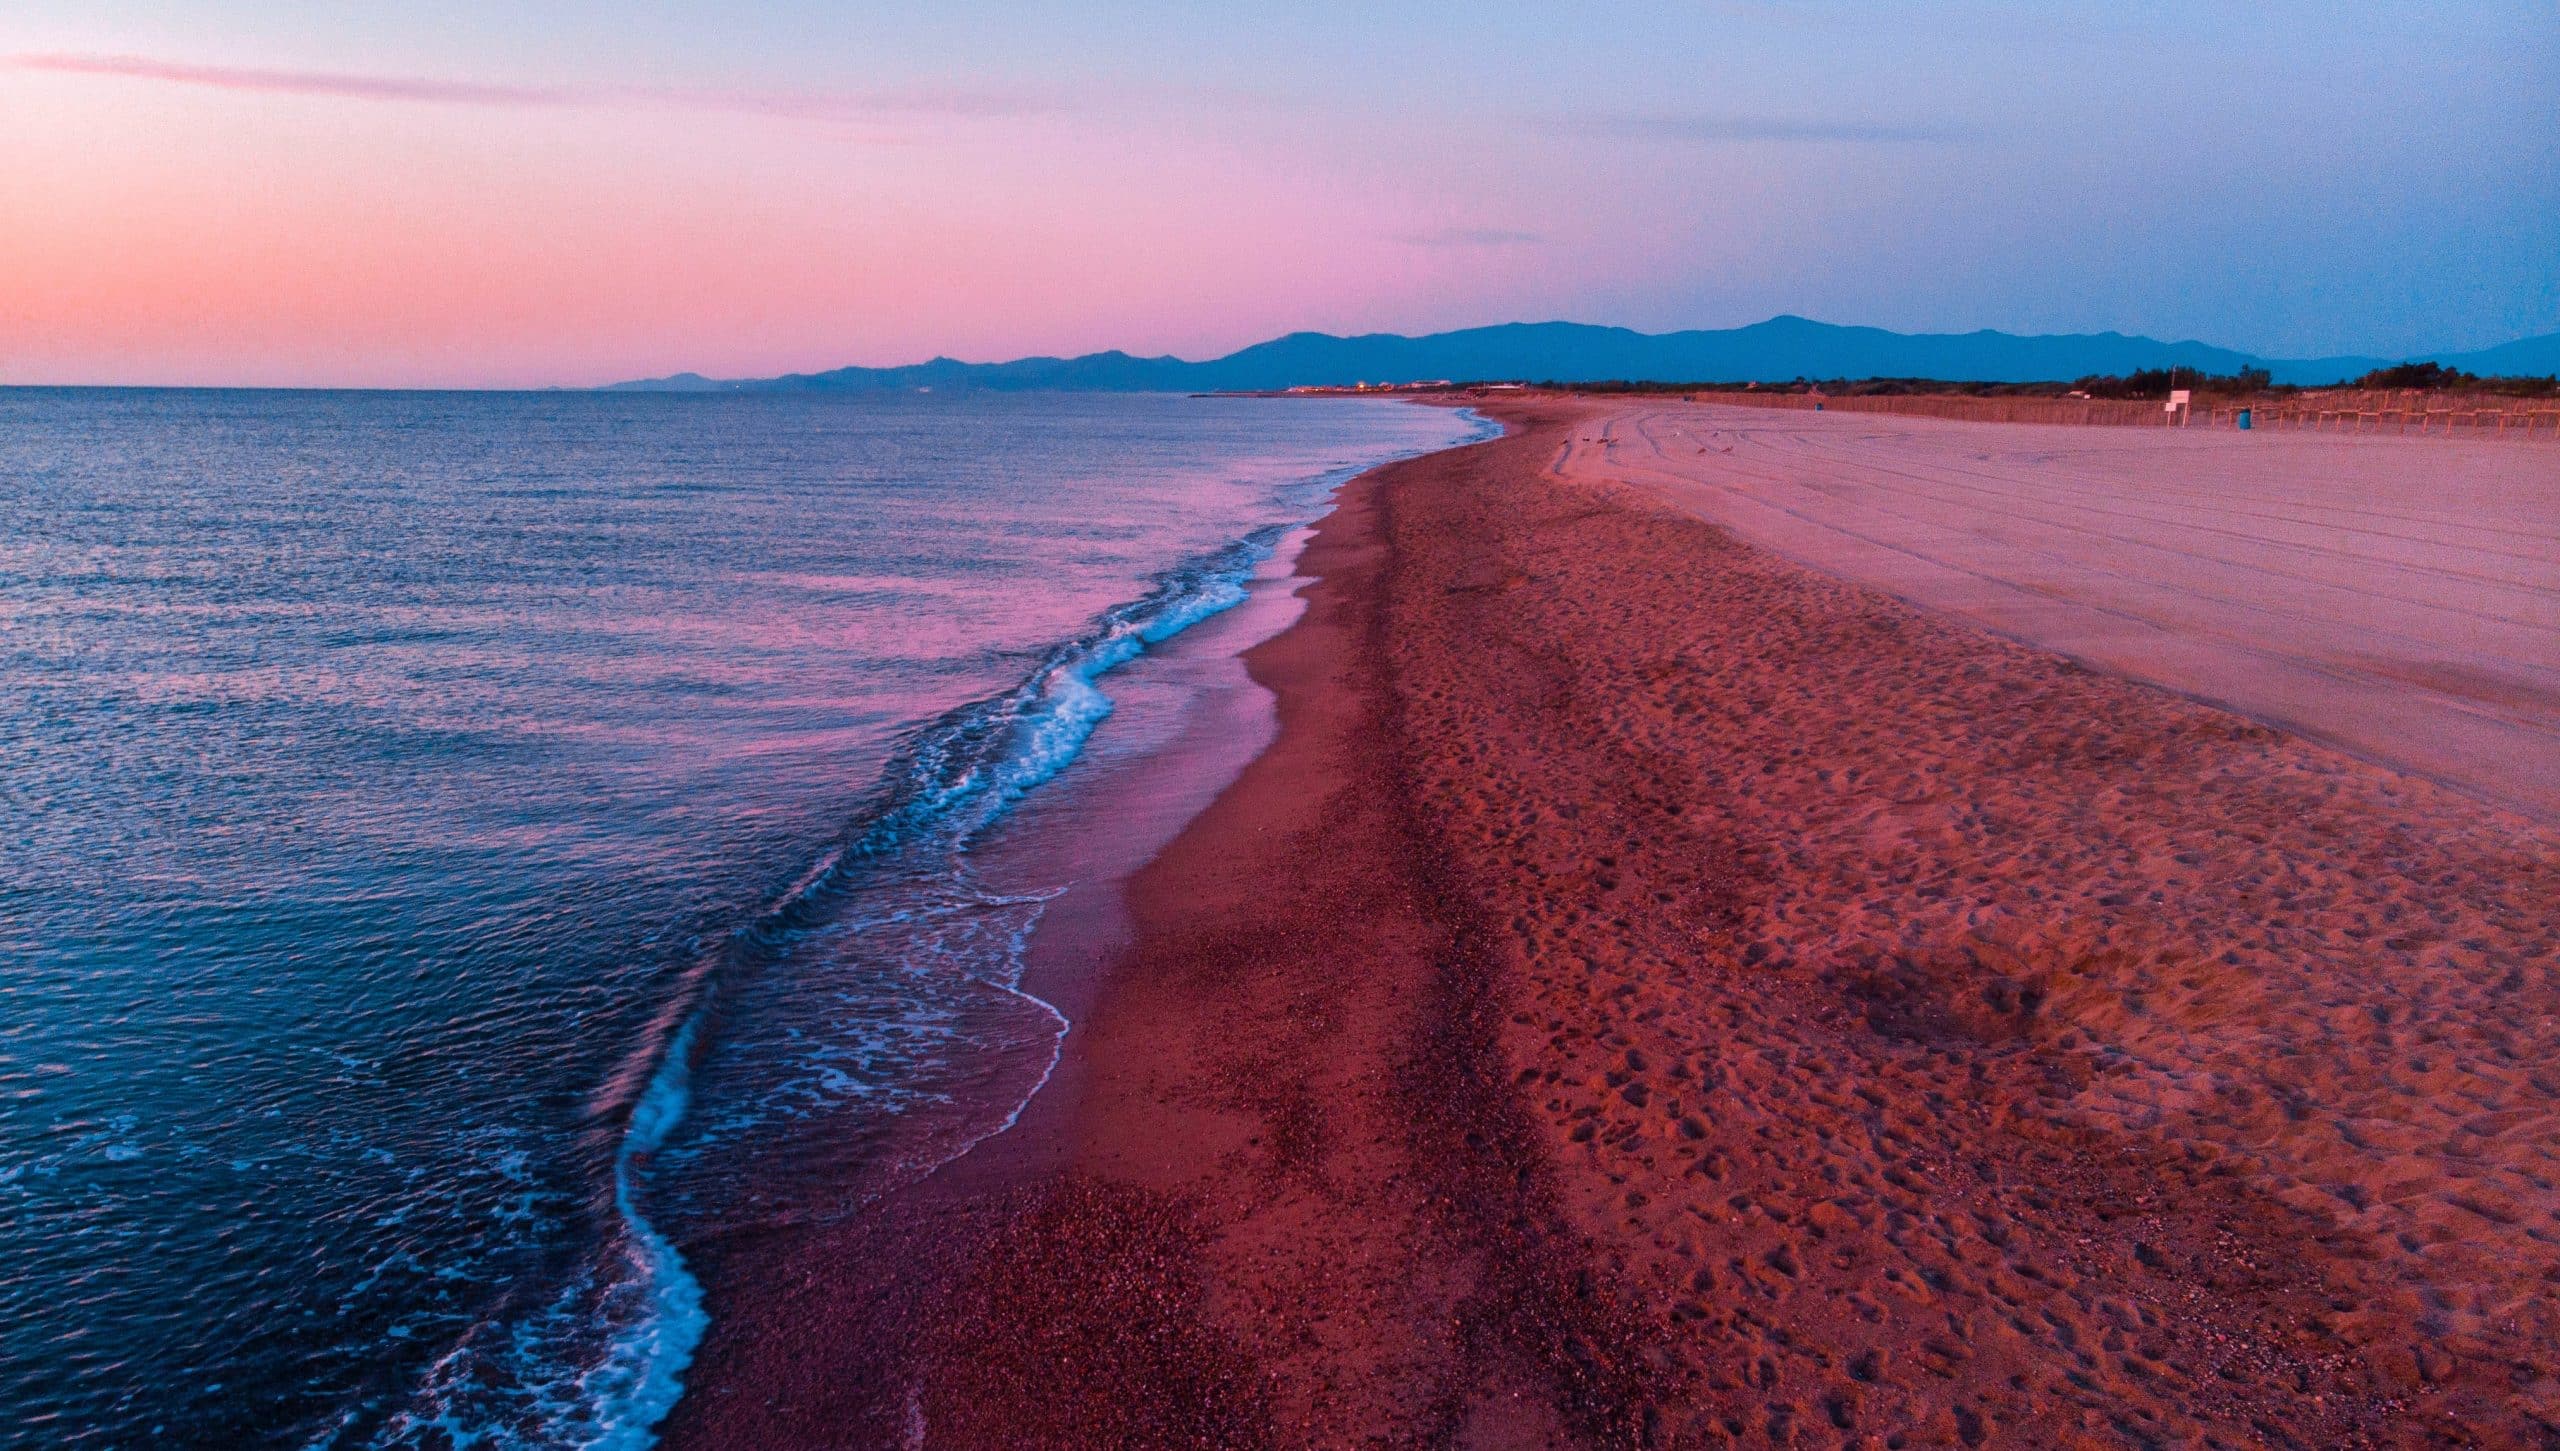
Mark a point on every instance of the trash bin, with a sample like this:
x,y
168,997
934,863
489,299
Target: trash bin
x,y
2243,419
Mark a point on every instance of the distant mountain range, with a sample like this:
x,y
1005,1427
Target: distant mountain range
x,y
1778,350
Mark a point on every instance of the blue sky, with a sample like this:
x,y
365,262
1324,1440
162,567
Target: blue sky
x,y
878,183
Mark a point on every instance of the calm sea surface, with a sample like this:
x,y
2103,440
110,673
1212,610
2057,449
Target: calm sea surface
x,y
453,847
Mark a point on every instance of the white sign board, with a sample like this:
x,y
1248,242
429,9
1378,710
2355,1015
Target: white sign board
x,y
2177,400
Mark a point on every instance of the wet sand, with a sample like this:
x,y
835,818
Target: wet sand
x,y
814,1324
1654,993
2396,597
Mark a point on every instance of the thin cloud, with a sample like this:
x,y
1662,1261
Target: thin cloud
x,y
789,105
1671,127
1472,237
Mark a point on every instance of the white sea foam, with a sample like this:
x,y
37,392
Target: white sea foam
x,y
961,778
954,780
643,1374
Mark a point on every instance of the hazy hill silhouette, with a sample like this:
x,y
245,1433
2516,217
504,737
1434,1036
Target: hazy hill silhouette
x,y
1778,350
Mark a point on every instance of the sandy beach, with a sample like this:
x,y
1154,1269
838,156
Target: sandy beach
x,y
1653,991
2396,597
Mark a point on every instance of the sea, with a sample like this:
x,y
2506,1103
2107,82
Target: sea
x,y
457,847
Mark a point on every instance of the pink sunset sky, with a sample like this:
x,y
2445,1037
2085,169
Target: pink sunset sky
x,y
216,193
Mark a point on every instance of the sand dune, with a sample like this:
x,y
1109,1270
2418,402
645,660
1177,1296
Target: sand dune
x,y
2398,597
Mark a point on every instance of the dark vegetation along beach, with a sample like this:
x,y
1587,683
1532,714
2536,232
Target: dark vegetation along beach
x,y
1653,991
743,725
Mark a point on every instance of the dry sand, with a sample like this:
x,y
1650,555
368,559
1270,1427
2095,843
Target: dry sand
x,y
1651,993
2397,597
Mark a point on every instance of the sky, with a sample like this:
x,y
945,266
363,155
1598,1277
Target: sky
x,y
487,194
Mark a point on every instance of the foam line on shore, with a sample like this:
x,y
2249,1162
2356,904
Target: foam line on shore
x,y
955,777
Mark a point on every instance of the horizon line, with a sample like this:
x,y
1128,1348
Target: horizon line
x,y
2383,358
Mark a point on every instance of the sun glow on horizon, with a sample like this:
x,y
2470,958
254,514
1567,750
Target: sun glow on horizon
x,y
784,195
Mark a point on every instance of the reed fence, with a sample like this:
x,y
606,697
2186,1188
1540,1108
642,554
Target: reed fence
x,y
2335,418
2347,411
